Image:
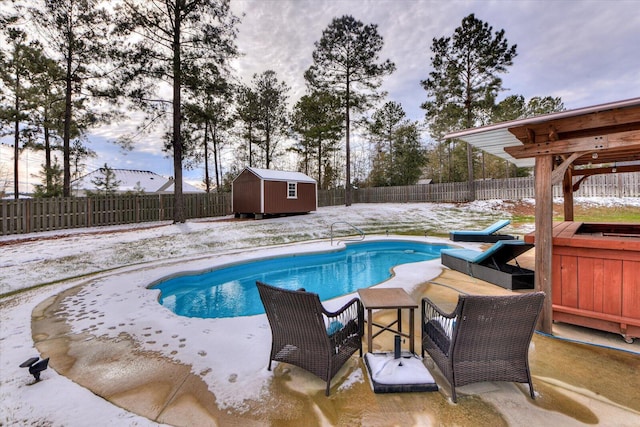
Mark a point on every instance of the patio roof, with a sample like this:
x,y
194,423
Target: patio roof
x,y
611,131
599,139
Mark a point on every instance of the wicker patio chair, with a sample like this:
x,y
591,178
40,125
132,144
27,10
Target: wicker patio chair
x,y
305,334
486,338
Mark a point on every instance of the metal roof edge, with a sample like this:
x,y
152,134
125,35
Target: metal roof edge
x,y
545,117
279,175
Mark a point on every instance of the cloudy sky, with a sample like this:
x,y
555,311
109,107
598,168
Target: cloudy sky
x,y
586,52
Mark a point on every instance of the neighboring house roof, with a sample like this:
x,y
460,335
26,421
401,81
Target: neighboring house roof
x,y
274,175
186,188
134,181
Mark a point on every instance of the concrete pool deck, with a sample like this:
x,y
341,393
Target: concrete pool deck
x,y
592,380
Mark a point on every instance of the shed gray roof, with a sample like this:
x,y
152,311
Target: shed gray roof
x,y
274,175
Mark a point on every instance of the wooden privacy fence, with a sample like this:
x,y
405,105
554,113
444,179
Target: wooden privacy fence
x,y
613,185
33,215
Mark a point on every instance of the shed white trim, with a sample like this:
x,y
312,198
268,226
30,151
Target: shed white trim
x,y
274,175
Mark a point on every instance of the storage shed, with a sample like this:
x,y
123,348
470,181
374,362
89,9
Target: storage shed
x,y
262,192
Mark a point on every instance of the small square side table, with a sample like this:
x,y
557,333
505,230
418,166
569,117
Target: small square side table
x,y
388,299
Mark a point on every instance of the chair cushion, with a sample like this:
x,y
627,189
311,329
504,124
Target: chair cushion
x,y
468,255
334,326
503,250
489,230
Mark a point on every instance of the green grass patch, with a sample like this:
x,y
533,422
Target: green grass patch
x,y
519,219
605,214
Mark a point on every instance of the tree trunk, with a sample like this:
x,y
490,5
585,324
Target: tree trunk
x,y
250,145
219,173
66,137
207,182
16,140
47,156
178,200
320,162
347,185
215,157
471,182
267,145
469,125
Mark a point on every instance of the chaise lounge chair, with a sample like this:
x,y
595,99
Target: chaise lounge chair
x,y
305,334
486,338
492,265
488,235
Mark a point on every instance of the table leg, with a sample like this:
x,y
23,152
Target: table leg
x,y
369,330
411,331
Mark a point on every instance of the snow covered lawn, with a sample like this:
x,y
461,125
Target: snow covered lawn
x,y
116,264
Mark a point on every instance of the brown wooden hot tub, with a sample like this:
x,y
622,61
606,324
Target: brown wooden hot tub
x,y
596,276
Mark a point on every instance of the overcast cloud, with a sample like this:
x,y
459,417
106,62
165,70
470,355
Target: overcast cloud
x,y
585,52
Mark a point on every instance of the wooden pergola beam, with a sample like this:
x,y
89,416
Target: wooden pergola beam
x,y
624,140
558,174
605,122
611,169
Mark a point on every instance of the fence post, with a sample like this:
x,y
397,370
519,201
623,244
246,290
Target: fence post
x,y
89,213
27,216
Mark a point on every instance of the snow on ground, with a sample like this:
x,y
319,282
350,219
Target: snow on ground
x,y
115,265
50,256
587,202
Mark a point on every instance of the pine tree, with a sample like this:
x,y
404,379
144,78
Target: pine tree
x,y
346,63
52,177
247,113
465,80
76,30
399,157
173,39
408,155
14,74
105,182
317,118
208,117
272,118
385,123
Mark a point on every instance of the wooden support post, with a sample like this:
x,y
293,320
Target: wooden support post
x,y
567,190
544,236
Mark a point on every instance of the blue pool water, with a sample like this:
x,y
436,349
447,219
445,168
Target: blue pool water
x,y
231,291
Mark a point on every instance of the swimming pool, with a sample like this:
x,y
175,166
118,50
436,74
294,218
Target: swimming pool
x,y
230,291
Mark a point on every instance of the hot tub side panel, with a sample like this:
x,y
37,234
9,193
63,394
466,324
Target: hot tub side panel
x,y
597,288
